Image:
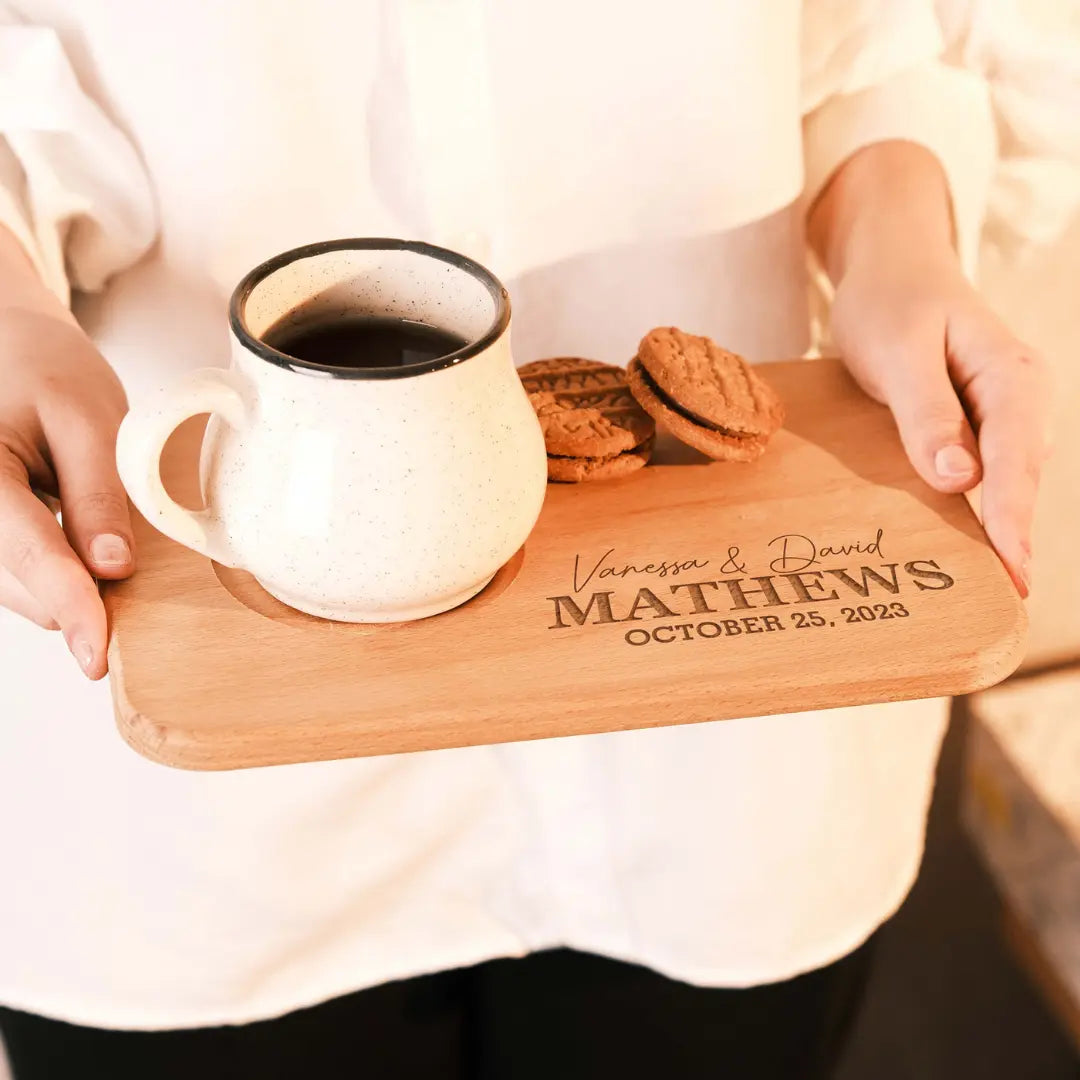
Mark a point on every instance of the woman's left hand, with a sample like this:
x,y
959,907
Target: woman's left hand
x,y
971,401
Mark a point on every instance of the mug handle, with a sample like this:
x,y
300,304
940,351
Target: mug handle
x,y
141,440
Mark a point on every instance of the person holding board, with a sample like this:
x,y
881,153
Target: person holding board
x,y
685,902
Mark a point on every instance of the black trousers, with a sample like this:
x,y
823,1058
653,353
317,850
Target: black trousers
x,y
558,1015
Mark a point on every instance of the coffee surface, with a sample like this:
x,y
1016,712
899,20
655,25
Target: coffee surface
x,y
362,341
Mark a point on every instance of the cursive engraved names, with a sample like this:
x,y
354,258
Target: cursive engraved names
x,y
603,568
798,552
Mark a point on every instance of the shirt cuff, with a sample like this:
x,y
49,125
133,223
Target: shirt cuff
x,y
944,109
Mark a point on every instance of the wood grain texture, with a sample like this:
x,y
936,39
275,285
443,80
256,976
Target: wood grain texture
x,y
208,672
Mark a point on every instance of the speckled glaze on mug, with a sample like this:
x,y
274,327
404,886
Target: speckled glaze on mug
x,y
356,494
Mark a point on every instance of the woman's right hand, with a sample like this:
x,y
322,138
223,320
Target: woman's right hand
x,y
60,408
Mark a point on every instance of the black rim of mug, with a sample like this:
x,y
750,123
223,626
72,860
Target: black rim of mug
x,y
247,285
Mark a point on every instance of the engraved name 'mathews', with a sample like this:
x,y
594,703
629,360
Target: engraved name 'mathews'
x,y
778,589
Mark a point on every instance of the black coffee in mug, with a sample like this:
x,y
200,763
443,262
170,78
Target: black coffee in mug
x,y
361,341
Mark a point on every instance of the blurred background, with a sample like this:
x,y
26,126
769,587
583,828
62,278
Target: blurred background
x,y
979,974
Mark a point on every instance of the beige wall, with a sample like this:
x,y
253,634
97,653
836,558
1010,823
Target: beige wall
x,y
1041,300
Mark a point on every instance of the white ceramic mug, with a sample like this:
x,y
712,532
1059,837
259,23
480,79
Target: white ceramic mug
x,y
358,494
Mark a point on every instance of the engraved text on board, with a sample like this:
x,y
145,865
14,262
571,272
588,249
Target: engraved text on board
x,y
821,584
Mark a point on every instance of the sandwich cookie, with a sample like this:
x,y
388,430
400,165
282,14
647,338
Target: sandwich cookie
x,y
709,398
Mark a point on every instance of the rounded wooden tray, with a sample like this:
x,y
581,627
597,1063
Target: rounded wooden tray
x,y
825,574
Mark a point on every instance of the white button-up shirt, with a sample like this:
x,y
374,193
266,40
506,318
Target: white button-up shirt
x,y
620,166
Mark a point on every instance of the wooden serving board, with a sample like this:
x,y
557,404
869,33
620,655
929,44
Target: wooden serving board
x,y
825,574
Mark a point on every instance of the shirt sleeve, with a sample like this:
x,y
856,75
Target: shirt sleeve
x,y
72,187
872,71
1028,53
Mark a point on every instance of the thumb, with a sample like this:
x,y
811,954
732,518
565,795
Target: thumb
x,y
933,426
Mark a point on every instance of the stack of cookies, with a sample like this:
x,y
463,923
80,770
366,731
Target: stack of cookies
x,y
599,420
593,427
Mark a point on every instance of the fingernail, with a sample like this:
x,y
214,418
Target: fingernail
x,y
954,462
108,549
1025,575
82,650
